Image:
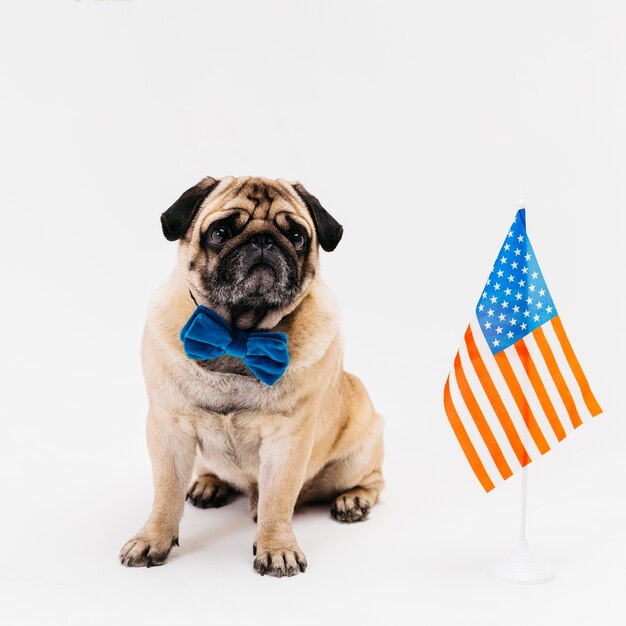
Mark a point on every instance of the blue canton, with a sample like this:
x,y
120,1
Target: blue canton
x,y
516,299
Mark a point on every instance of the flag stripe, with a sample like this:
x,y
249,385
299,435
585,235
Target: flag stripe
x,y
557,377
566,370
472,431
522,402
504,391
540,390
531,397
480,421
551,389
488,412
494,398
590,401
464,440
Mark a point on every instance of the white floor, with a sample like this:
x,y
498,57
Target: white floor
x,y
421,558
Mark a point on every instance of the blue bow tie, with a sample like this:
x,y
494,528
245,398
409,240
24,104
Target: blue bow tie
x,y
206,336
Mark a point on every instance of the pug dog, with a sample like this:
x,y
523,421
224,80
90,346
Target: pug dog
x,y
249,251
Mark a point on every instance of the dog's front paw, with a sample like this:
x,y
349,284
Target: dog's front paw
x,y
147,549
278,558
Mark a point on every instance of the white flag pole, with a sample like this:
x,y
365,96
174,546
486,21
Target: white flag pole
x,y
522,529
522,567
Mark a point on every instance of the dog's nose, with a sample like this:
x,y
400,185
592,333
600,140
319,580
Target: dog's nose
x,y
261,241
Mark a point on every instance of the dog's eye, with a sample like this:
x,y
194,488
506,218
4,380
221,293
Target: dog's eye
x,y
298,240
218,236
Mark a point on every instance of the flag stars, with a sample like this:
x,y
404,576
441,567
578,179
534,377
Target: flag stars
x,y
515,299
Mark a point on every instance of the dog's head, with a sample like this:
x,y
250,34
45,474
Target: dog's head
x,y
249,246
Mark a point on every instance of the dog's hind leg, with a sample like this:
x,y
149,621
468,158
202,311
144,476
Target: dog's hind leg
x,y
354,504
209,492
253,503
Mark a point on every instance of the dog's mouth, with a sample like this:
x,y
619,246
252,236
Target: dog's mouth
x,y
263,264
261,277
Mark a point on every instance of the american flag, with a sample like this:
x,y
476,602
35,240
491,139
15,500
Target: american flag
x,y
516,388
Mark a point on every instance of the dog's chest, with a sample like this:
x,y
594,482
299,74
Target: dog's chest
x,y
229,445
231,412
223,391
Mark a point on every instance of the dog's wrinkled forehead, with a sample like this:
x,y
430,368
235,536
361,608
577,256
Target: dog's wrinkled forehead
x,y
255,200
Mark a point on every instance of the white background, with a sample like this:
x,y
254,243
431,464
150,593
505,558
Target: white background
x,y
416,124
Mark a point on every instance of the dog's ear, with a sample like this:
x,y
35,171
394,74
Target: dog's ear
x,y
177,219
329,230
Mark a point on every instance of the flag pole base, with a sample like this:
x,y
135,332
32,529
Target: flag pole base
x,y
522,568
